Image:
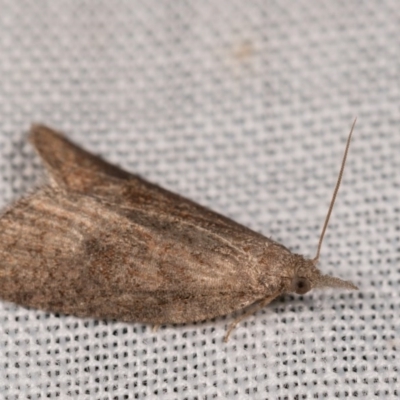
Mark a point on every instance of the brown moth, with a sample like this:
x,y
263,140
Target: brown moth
x,y
100,242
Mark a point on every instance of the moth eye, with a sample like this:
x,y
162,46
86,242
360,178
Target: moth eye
x,y
301,285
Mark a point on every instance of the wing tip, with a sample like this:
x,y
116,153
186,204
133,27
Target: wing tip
x,y
55,149
38,130
43,137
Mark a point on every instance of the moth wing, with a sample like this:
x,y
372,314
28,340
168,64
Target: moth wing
x,y
80,171
69,164
115,245
75,168
73,254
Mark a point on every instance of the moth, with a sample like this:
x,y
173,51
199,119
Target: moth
x,y
97,241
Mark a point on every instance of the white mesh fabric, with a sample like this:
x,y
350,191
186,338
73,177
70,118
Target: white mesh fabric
x,y
243,107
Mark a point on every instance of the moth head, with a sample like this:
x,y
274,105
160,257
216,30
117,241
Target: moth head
x,y
307,276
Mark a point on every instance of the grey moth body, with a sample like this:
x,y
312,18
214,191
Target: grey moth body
x,y
97,241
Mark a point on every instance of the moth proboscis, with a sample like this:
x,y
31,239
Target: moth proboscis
x,y
97,241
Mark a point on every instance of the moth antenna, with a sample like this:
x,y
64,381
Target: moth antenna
x,y
339,180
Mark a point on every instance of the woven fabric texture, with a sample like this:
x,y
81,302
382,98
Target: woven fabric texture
x,y
243,107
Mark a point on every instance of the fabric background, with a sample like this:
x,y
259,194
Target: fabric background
x,y
243,107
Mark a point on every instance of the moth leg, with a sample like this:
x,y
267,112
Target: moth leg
x,y
252,310
156,327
